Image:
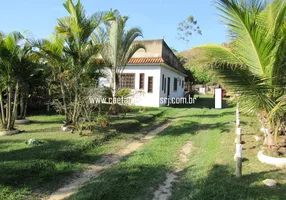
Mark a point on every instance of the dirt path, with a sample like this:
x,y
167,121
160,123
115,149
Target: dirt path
x,y
165,190
94,171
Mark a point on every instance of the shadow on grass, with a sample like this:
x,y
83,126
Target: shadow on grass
x,y
43,165
129,179
53,150
220,183
126,182
192,127
203,102
47,122
43,130
231,115
46,164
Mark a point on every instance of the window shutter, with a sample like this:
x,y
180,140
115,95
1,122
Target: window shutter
x,y
175,84
163,78
150,84
141,81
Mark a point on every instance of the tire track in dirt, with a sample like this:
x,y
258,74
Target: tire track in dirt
x,y
165,190
93,171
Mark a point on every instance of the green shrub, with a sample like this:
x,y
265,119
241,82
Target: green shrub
x,y
124,92
102,121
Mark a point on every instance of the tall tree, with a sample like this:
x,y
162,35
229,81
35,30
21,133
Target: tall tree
x,y
78,27
254,66
51,52
118,46
14,58
187,28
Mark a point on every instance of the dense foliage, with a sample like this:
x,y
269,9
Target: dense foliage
x,y
254,65
66,65
190,60
118,47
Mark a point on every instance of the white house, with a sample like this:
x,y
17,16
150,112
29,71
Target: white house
x,y
153,75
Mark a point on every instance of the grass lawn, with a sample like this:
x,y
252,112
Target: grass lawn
x,y
210,171
29,171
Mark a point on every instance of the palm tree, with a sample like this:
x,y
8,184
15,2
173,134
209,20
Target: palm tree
x,y
30,76
118,46
51,53
77,29
13,59
254,63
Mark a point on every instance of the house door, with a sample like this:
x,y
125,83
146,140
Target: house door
x,y
168,89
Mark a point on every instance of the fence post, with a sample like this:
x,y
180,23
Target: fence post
x,y
238,160
237,116
238,153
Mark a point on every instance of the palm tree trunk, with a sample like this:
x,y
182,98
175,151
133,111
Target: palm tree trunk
x,y
15,106
114,53
25,107
113,110
8,109
49,96
64,102
3,119
74,115
114,80
21,105
76,97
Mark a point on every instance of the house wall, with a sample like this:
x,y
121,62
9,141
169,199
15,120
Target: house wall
x,y
172,74
142,97
153,49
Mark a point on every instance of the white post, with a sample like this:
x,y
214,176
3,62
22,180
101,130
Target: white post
x,y
238,135
218,98
238,153
237,116
238,160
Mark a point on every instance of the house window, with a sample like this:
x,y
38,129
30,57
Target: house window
x,y
175,84
165,85
127,81
163,82
182,84
141,81
150,84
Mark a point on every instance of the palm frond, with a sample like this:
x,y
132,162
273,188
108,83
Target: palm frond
x,y
253,65
218,54
247,36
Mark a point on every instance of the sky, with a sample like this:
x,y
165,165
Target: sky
x,y
158,19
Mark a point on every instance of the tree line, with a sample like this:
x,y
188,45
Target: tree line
x,y
66,65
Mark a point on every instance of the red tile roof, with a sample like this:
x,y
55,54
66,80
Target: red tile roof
x,y
145,60
158,60
140,60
